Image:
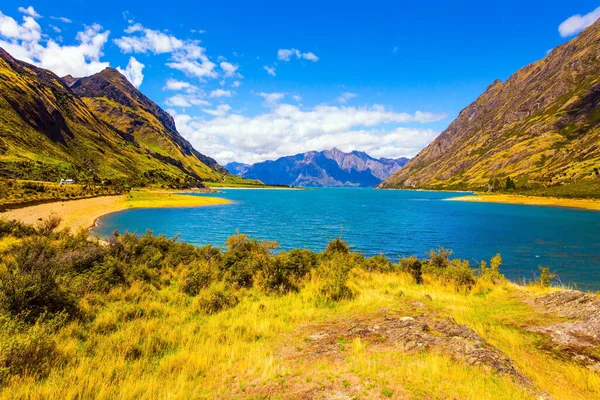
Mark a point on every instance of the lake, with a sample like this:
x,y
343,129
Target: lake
x,y
396,223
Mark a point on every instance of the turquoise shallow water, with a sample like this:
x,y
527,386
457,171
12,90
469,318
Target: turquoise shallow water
x,y
393,222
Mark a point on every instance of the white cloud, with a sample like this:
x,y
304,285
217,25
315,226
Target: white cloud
x,y
287,54
55,29
297,97
220,111
288,129
229,69
577,23
62,19
270,70
185,101
174,84
29,11
220,93
236,84
149,40
24,42
272,99
344,97
186,55
133,72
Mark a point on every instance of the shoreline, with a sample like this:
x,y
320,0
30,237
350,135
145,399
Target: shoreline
x,y
84,213
584,204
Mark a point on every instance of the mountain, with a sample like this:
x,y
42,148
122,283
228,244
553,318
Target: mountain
x,y
237,168
324,168
541,127
91,129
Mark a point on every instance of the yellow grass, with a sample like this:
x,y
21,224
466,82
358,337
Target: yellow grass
x,y
82,214
148,343
587,204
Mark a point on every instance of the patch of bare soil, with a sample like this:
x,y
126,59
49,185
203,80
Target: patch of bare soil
x,y
578,338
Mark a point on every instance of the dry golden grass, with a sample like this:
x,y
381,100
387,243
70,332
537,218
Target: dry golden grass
x,y
148,343
587,204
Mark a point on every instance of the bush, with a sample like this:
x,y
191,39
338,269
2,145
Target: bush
x,y
546,277
337,246
47,226
412,266
378,263
457,272
15,228
492,273
335,271
243,258
29,282
198,275
285,271
216,298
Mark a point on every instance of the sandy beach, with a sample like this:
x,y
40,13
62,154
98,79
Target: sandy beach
x,y
588,204
82,214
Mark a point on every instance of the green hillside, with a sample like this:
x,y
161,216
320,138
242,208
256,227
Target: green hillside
x,y
93,129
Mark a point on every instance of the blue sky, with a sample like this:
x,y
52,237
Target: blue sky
x,y
249,81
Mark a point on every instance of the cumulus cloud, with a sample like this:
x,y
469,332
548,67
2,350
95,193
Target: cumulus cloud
x,y
24,41
29,11
133,72
236,84
287,54
577,23
174,84
220,111
272,99
186,55
185,101
288,129
229,69
344,97
220,93
270,70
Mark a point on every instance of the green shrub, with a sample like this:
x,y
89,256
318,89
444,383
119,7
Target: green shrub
x,y
546,277
15,228
413,266
337,246
47,226
457,272
29,282
334,271
492,273
243,258
378,263
285,271
216,298
198,275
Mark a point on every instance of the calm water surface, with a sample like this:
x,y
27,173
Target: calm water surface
x,y
393,222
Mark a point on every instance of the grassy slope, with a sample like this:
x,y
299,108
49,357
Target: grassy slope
x,y
541,127
47,132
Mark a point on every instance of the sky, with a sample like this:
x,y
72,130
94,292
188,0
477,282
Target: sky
x,y
257,80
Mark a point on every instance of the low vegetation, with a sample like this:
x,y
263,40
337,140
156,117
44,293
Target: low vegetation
x,y
15,194
150,317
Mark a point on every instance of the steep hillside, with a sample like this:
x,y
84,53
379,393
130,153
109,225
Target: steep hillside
x,y
101,128
541,127
324,168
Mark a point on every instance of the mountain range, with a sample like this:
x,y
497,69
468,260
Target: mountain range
x,y
321,168
91,129
541,128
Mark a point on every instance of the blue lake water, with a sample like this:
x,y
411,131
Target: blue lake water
x,y
393,222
